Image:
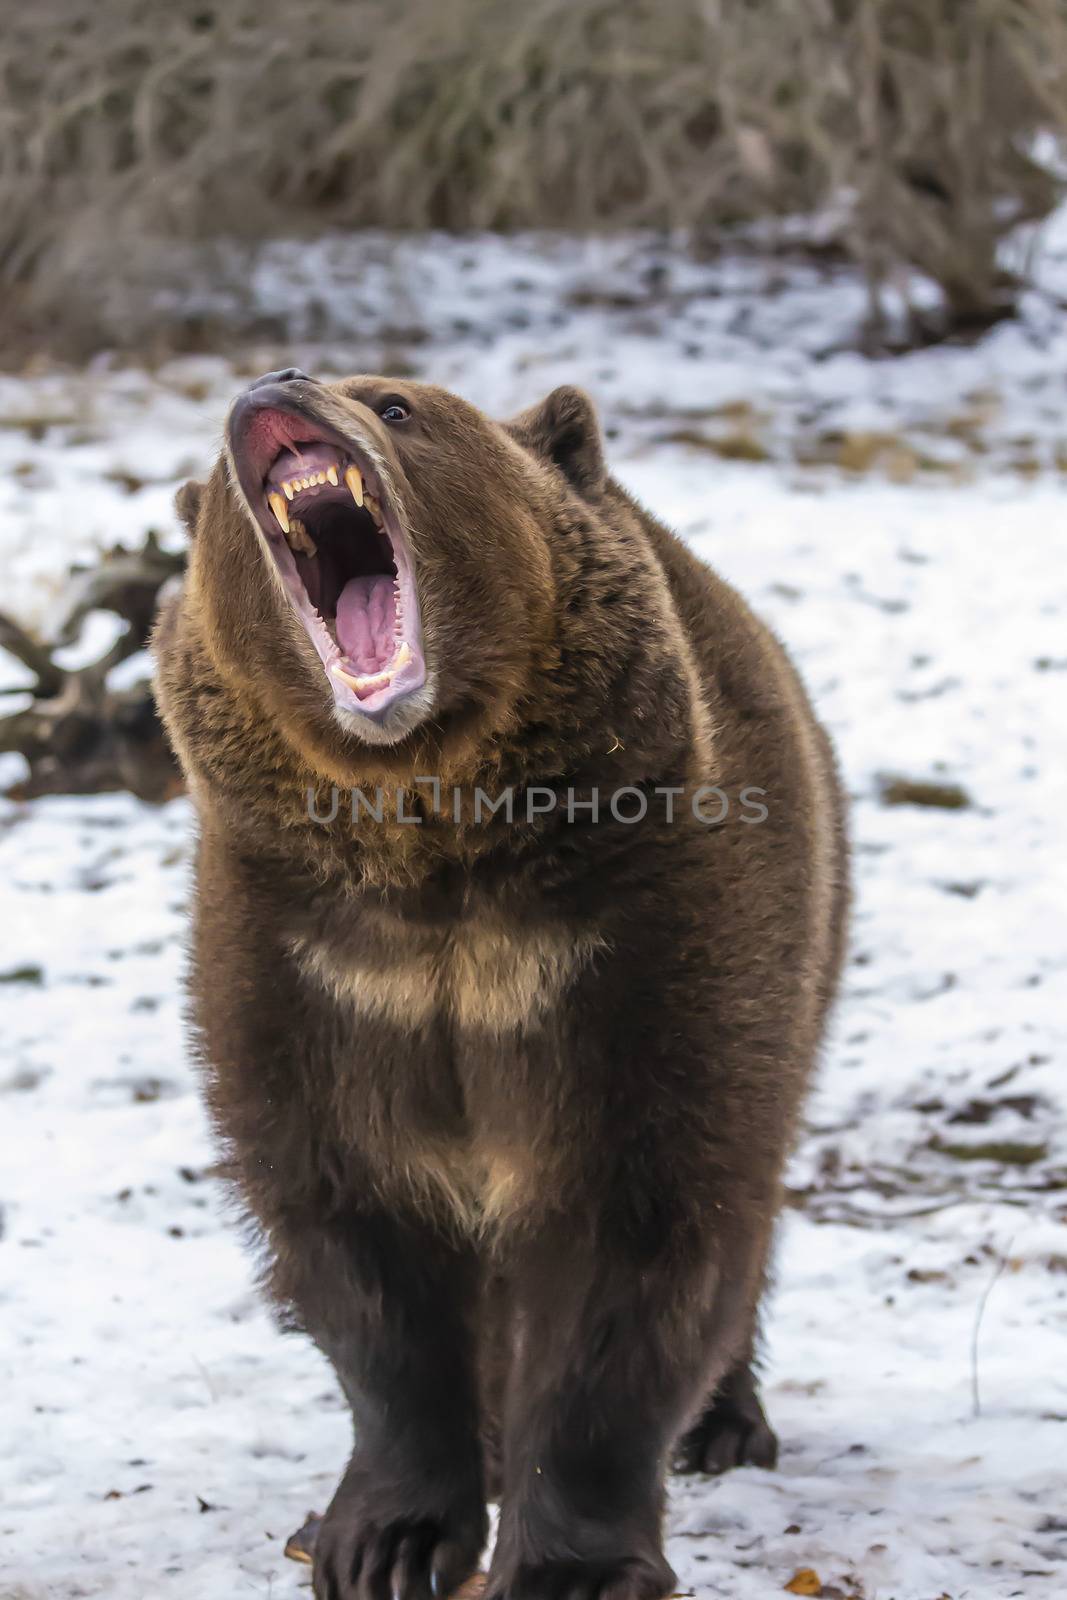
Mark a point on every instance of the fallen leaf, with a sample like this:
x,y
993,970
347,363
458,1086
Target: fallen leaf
x,y
300,1546
804,1581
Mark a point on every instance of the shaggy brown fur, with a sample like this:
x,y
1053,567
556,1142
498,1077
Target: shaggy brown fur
x,y
508,1102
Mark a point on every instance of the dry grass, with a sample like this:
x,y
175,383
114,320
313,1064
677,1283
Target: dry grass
x,y
132,123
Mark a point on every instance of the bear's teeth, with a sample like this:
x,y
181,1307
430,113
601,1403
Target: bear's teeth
x,y
374,681
300,539
281,511
354,480
313,480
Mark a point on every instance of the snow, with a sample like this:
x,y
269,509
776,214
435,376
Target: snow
x,y
164,1438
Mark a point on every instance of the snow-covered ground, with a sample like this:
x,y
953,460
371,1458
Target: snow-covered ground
x,y
901,524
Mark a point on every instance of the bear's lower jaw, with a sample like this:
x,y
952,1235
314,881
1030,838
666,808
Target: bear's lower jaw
x,y
335,540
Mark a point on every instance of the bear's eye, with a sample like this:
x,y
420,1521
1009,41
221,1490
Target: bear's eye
x,y
394,411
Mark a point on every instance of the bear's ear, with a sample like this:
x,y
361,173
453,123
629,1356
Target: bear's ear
x,y
187,505
564,429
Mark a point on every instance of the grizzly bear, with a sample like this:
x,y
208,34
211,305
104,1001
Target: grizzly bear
x,y
520,896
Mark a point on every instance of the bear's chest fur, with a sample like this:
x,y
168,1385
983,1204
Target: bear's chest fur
x,y
435,1030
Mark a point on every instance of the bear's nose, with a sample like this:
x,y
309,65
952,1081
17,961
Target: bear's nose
x,y
287,375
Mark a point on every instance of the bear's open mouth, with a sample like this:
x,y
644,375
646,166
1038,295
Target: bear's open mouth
x,y
338,544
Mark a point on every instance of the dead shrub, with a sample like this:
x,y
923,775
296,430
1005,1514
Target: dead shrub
x,y
132,124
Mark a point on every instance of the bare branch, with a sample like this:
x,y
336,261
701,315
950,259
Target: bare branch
x,y
32,654
976,1400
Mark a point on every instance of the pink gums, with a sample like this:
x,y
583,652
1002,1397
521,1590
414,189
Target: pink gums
x,y
303,459
366,622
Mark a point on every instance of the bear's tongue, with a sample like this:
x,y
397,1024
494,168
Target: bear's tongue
x,y
366,622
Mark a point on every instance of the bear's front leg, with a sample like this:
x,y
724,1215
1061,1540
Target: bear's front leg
x,y
615,1341
389,1301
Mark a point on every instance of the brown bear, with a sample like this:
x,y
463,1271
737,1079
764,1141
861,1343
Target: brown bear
x,y
520,899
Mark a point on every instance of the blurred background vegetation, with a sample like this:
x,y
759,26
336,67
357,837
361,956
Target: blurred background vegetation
x,y
153,153
919,132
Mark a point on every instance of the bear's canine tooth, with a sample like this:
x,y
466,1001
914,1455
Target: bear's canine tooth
x,y
402,657
354,480
280,509
331,475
